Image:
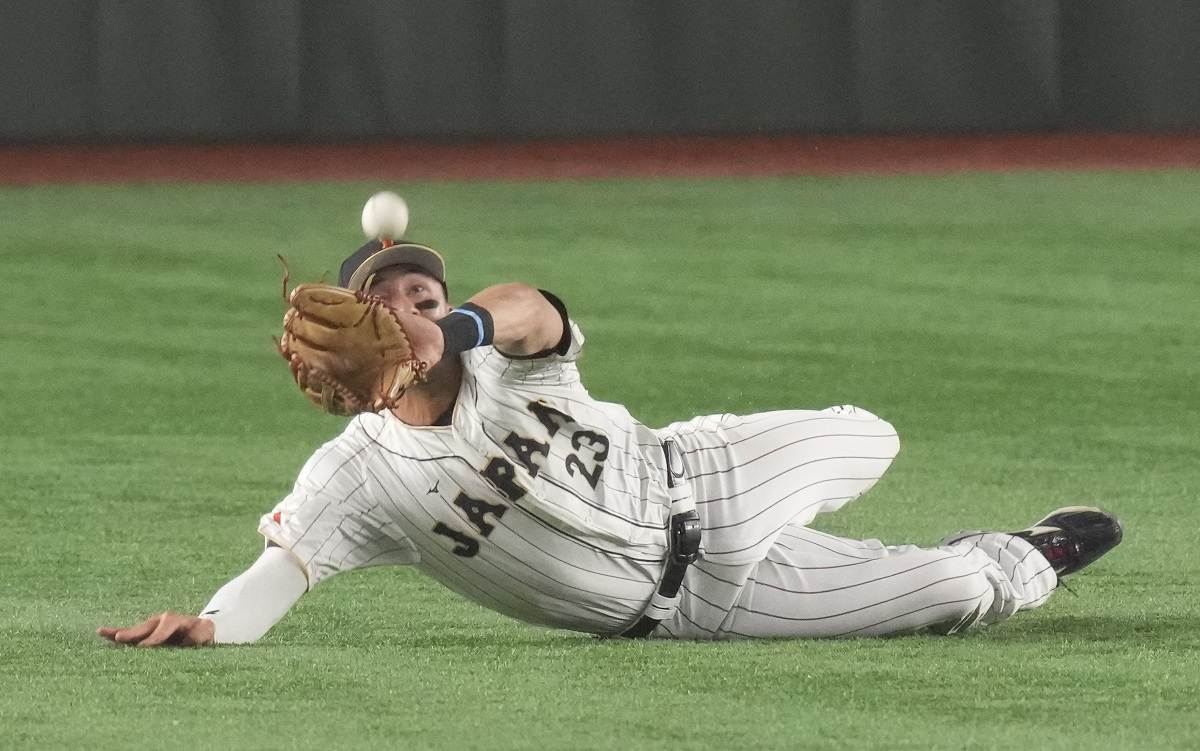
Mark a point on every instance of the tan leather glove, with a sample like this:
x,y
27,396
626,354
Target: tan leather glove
x,y
348,351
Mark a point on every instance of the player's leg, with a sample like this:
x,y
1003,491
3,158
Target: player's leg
x,y
752,475
813,584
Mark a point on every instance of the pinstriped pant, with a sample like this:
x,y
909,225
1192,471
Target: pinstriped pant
x,y
759,480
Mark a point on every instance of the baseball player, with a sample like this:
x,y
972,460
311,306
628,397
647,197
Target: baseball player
x,y
478,456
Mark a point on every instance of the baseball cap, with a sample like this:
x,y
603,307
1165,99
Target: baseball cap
x,y
357,270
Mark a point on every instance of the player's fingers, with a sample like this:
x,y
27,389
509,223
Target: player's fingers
x,y
134,634
168,625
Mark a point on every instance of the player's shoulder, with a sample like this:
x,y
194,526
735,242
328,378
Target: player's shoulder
x,y
362,431
341,460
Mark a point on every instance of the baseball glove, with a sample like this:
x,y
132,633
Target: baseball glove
x,y
348,351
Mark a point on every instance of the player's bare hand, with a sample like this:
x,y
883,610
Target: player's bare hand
x,y
165,629
426,338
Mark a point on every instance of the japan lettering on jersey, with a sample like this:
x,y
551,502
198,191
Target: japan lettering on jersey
x,y
537,500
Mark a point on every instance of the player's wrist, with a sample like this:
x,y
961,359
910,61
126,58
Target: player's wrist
x,y
466,327
204,630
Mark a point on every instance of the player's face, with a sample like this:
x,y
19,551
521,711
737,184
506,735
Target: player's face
x,y
411,292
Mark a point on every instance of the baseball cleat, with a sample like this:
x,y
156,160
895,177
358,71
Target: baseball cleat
x,y
1071,538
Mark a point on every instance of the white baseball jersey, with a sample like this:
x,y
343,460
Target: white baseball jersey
x,y
544,504
537,500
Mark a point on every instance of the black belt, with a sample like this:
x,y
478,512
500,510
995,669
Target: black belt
x,y
683,540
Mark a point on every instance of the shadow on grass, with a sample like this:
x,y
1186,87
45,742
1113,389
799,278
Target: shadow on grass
x,y
436,638
1148,628
1057,628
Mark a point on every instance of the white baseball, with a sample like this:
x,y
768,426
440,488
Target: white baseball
x,y
385,215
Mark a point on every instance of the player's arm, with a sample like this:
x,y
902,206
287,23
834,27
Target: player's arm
x,y
242,611
519,320
524,320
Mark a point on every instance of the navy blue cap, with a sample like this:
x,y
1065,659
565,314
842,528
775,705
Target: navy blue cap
x,y
357,270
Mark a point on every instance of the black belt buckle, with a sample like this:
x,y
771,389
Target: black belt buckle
x,y
685,537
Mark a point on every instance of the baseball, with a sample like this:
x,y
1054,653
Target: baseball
x,y
385,215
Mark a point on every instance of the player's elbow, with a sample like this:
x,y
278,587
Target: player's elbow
x,y
525,321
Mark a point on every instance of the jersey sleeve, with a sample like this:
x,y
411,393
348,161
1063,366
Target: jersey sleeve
x,y
331,521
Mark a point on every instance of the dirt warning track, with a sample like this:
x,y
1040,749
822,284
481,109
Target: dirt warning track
x,y
626,157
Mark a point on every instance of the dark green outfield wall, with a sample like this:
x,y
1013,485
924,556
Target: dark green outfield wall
x,y
106,70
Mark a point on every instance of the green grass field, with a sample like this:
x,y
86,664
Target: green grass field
x,y
1034,337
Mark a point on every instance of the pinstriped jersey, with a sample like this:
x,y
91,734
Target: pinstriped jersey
x,y
536,500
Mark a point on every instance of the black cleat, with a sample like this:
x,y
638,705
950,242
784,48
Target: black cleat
x,y
1071,538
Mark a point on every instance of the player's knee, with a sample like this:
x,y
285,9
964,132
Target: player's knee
x,y
884,431
889,439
